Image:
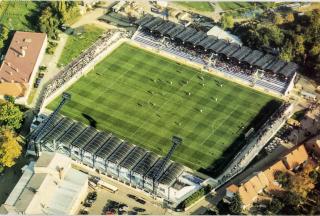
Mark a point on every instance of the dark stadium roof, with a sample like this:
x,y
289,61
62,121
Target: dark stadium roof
x,y
72,133
253,57
289,69
276,66
147,18
164,27
196,38
264,61
133,158
206,43
171,174
97,142
55,121
153,171
241,53
218,46
84,137
146,163
187,33
108,148
120,153
230,49
175,30
61,128
153,23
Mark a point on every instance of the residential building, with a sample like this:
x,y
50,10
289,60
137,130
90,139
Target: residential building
x,y
20,65
251,189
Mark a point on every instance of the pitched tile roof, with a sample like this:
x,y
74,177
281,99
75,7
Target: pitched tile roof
x,y
21,57
295,157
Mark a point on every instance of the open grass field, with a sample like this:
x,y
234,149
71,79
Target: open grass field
x,y
145,98
198,6
78,43
15,14
226,6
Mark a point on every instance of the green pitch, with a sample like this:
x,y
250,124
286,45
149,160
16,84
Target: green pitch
x,y
145,98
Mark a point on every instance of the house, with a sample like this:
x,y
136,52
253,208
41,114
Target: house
x,y
20,65
48,186
251,189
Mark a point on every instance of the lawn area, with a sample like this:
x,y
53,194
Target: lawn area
x,y
242,5
199,6
77,43
146,98
15,14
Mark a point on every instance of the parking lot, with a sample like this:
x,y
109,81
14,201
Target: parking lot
x,y
127,205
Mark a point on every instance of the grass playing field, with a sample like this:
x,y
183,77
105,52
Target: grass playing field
x,y
15,14
76,44
198,6
146,98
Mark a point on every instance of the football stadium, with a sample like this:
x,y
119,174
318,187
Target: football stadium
x,y
145,98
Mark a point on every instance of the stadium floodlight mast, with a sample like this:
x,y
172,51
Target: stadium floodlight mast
x,y
175,142
34,138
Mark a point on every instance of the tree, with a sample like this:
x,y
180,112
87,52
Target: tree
x,y
291,198
4,33
289,17
283,178
286,53
275,206
10,115
236,204
9,148
277,19
227,22
48,23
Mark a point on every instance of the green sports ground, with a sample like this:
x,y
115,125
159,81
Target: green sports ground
x,y
145,99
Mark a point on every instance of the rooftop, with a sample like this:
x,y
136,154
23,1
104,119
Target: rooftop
x,y
21,57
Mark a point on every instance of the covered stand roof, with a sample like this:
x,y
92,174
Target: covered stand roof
x,y
147,18
289,69
187,33
276,66
230,49
55,121
153,23
146,163
108,148
153,171
100,139
59,130
171,174
207,42
253,57
120,153
72,133
264,61
218,46
241,53
164,27
84,137
133,158
175,31
196,38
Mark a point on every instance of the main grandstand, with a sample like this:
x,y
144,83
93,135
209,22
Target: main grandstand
x,y
251,66
118,159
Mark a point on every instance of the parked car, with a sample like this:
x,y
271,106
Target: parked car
x,y
83,212
86,204
137,209
41,75
141,201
